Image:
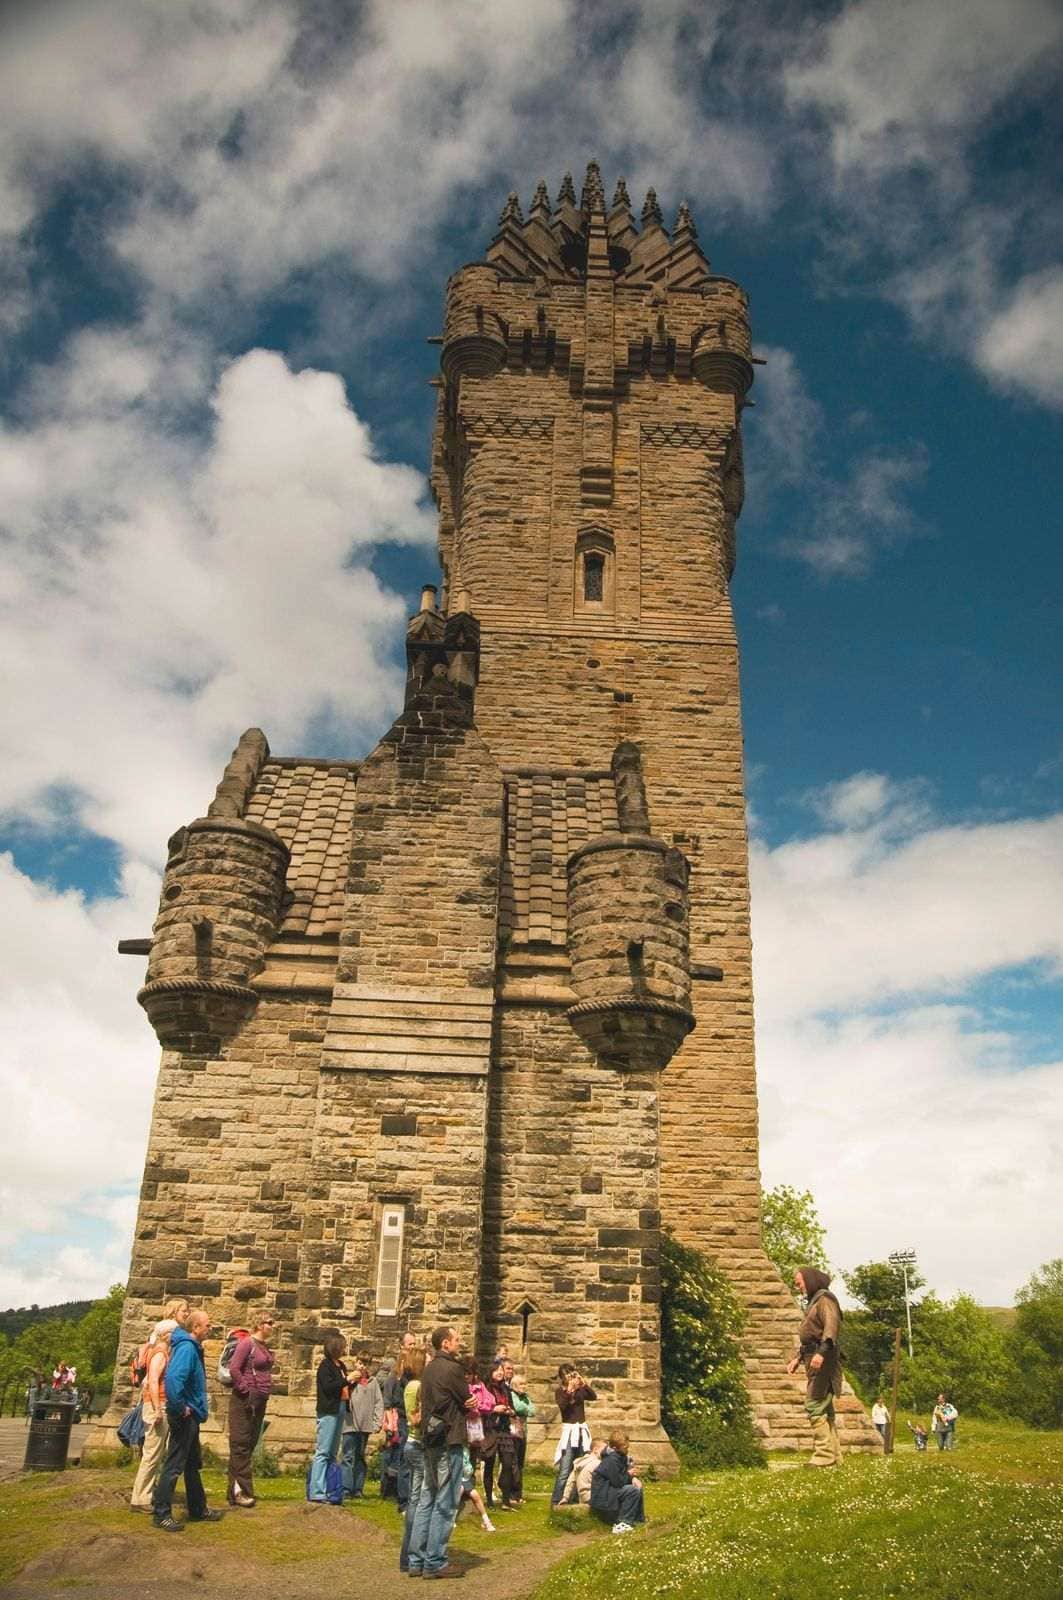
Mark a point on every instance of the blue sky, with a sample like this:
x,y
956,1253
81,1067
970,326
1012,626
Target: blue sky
x,y
224,233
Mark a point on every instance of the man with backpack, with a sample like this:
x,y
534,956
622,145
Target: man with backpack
x,y
186,1408
445,1404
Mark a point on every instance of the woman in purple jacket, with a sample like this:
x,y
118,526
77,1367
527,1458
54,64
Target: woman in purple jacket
x,y
251,1370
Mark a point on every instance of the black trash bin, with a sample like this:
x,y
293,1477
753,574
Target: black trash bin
x,y
49,1437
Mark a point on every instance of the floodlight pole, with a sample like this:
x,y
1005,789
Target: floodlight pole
x,y
902,1259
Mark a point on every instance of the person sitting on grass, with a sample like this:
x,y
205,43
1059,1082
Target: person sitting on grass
x,y
578,1487
616,1494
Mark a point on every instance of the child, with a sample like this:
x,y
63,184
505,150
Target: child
x,y
919,1434
470,1492
524,1406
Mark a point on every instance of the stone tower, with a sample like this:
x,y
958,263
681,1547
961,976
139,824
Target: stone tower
x,y
449,1034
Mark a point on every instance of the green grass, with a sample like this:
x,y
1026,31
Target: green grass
x,y
984,1522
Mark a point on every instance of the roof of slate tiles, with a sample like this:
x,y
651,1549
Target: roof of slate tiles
x,y
547,815
310,804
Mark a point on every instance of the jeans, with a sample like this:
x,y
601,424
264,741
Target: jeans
x,y
950,1436
354,1467
437,1508
413,1458
326,1443
630,1508
183,1457
564,1467
394,1468
883,1428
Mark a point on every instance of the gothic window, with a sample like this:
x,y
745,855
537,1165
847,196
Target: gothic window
x,y
389,1264
594,574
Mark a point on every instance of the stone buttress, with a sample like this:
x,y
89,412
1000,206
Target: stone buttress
x,y
451,1033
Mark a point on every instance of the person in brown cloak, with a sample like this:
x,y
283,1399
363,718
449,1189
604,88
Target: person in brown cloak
x,y
821,1358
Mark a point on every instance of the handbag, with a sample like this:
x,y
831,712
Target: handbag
x,y
475,1429
434,1431
131,1429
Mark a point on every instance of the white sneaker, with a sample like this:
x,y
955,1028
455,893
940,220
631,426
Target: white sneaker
x,y
621,1527
488,1525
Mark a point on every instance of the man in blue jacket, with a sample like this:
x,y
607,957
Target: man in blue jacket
x,y
185,1381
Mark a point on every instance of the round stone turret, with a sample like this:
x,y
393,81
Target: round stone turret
x,y
219,911
474,339
721,352
629,935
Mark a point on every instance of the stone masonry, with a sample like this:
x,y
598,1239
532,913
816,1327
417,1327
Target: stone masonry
x,y
495,981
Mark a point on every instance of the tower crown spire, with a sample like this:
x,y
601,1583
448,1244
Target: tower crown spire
x,y
593,197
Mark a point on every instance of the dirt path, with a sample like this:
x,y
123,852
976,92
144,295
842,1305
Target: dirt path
x,y
283,1550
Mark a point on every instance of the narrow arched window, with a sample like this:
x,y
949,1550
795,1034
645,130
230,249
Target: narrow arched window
x,y
594,572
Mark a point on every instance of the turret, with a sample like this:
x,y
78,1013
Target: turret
x,y
219,911
629,942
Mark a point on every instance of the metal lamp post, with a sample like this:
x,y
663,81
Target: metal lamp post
x,y
905,1259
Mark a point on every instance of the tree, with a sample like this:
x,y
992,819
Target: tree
x,y
961,1351
868,1333
1038,1347
791,1231
704,1404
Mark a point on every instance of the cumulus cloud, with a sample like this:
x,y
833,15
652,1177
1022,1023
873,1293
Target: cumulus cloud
x,y
904,96
837,524
917,1101
1021,346
76,1076
165,587
256,140
902,82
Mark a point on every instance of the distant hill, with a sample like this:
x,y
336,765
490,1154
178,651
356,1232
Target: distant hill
x,y
13,1322
1003,1316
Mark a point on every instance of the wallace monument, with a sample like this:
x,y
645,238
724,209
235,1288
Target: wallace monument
x,y
450,1034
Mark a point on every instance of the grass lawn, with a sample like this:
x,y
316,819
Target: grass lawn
x,y
985,1520
982,1523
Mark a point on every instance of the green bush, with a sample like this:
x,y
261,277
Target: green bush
x,y
704,1404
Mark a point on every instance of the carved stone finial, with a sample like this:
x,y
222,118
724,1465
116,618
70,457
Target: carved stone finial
x,y
240,776
511,211
651,211
632,810
567,191
593,197
541,198
684,223
621,196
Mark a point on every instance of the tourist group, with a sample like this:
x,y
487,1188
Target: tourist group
x,y
450,1433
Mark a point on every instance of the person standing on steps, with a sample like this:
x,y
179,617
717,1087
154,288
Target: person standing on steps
x,y
186,1408
251,1370
820,1356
